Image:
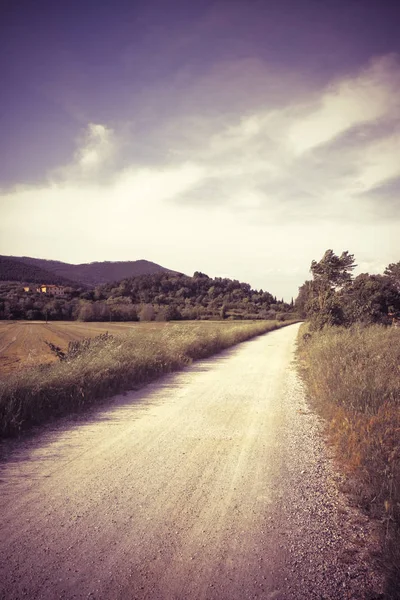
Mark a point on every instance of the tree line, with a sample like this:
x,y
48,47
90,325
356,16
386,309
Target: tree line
x,y
160,296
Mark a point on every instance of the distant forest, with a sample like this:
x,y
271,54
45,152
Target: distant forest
x,y
161,296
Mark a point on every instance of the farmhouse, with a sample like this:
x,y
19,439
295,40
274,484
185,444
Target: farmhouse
x,y
55,290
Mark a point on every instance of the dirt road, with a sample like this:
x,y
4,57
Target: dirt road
x,y
210,484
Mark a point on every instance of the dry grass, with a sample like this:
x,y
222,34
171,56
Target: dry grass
x,y
108,365
353,376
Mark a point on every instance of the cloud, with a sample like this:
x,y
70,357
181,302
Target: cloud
x,y
94,157
229,188
148,187
390,189
381,162
97,148
346,147
374,93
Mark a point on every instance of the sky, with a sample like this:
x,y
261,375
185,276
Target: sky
x,y
237,138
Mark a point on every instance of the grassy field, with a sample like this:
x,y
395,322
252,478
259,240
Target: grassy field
x,y
353,377
130,355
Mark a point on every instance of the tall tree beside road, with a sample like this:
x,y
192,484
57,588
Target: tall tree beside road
x,y
330,274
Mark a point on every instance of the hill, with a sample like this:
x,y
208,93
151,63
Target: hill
x,y
89,274
16,270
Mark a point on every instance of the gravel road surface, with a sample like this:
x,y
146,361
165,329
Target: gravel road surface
x,y
212,483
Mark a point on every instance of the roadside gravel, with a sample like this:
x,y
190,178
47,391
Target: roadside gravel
x,y
331,547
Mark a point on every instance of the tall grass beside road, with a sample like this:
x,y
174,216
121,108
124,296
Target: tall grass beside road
x,y
100,367
353,379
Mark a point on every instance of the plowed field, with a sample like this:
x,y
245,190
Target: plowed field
x,y
22,343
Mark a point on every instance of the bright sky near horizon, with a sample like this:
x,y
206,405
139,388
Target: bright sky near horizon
x,y
238,138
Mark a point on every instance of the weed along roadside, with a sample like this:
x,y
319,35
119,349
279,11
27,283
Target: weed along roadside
x,y
105,365
352,377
